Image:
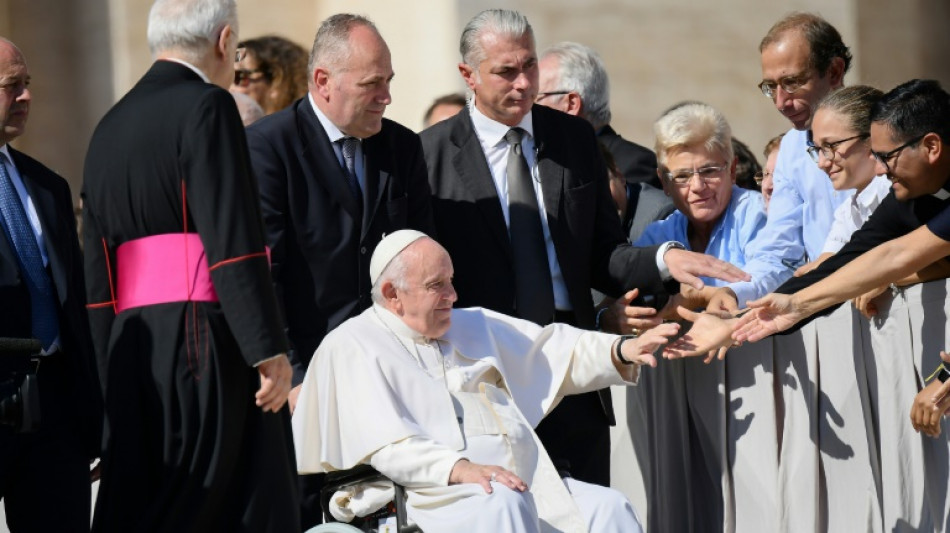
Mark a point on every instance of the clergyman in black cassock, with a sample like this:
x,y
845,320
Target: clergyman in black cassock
x,y
186,447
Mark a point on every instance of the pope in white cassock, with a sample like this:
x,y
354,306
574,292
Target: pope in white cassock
x,y
444,401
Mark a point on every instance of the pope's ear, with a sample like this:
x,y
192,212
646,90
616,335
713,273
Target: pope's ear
x,y
388,290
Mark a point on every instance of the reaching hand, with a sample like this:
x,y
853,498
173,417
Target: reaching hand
x,y
711,335
770,314
686,267
867,302
723,301
625,319
466,471
640,350
929,406
276,375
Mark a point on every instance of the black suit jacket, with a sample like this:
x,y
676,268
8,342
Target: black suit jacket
x,y
54,206
636,163
590,245
320,250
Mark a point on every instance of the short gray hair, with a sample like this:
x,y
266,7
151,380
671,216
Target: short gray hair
x,y
395,273
188,26
581,70
501,22
692,124
331,44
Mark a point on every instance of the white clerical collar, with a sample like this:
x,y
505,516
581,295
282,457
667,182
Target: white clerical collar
x,y
942,194
492,131
397,326
189,65
333,132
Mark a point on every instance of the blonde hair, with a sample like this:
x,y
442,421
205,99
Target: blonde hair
x,y
692,124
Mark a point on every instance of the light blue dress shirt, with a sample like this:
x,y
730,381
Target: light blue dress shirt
x,y
801,213
734,239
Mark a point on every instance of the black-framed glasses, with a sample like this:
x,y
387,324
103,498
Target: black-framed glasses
x,y
240,54
760,176
709,175
789,84
542,96
828,151
883,158
244,77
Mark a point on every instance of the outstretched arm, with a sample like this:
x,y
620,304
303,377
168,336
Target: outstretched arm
x,y
887,262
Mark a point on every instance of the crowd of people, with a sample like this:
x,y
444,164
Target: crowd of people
x,y
276,282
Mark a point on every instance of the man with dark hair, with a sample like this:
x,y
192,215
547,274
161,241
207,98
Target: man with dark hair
x,y
521,203
335,176
44,472
909,131
803,59
185,323
443,107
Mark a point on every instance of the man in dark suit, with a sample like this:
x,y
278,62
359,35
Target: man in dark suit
x,y
521,203
323,218
43,297
185,323
573,79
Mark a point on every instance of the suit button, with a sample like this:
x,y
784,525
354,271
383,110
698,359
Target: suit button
x,y
363,250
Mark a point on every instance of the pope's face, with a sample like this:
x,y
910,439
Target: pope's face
x,y
425,303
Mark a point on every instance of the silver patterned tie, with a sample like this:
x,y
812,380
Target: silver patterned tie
x,y
534,290
349,146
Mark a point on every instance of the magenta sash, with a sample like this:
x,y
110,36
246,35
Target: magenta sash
x,y
161,269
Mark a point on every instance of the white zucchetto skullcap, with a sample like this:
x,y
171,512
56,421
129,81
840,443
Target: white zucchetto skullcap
x,y
389,248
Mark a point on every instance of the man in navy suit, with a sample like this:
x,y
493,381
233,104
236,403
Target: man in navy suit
x,y
43,296
335,176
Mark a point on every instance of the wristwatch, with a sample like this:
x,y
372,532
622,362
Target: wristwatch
x,y
661,253
619,354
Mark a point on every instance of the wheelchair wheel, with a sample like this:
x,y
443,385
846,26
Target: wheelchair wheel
x,y
334,527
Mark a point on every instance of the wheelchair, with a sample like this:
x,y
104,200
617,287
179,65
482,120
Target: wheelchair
x,y
370,523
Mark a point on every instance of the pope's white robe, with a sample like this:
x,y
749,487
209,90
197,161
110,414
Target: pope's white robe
x,y
376,389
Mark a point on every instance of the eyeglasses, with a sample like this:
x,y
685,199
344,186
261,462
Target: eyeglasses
x,y
709,175
760,176
827,150
789,84
883,158
240,54
243,77
542,96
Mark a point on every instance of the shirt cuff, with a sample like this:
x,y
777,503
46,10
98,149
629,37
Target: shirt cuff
x,y
745,291
262,361
661,263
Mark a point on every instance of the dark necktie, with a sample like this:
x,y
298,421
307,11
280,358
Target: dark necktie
x,y
534,291
349,146
44,318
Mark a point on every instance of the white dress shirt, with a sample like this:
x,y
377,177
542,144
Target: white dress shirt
x,y
854,212
491,136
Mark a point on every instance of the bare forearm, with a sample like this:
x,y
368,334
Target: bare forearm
x,y
886,263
